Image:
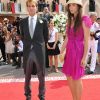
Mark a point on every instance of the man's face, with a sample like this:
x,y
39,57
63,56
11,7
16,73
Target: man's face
x,y
46,10
31,7
98,21
17,38
93,18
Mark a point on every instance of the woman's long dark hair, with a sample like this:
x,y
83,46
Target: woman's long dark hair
x,y
78,18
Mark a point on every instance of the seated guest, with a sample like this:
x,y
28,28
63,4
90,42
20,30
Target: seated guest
x,y
18,51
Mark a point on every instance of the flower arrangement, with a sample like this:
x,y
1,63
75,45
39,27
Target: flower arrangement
x,y
41,21
60,22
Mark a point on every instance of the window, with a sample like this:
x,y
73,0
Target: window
x,y
91,5
67,1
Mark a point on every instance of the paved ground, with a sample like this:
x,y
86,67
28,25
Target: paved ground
x,y
9,71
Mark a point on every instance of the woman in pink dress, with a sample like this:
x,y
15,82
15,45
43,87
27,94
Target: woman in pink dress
x,y
76,45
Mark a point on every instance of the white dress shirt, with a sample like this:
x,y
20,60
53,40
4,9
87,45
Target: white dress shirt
x,y
52,35
20,47
34,21
94,27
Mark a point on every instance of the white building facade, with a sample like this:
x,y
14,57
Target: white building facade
x,y
85,5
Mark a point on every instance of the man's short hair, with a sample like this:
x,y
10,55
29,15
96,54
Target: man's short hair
x,y
93,14
31,1
98,18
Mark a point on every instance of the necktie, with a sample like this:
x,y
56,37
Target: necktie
x,y
31,27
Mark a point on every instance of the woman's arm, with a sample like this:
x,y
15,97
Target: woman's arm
x,y
48,46
86,43
56,40
64,45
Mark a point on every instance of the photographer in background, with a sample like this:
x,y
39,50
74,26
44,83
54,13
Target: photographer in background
x,y
46,14
7,23
18,51
16,24
2,45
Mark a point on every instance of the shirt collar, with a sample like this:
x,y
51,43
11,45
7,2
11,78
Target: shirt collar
x,y
34,17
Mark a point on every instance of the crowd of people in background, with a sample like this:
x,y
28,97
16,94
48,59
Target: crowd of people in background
x,y
10,42
55,6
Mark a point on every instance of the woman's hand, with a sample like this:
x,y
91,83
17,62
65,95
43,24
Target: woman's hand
x,y
54,46
48,47
83,62
63,46
62,50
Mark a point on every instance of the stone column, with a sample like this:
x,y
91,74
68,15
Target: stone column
x,y
23,6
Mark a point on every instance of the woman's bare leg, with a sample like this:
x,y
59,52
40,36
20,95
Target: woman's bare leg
x,y
71,86
78,88
56,63
50,63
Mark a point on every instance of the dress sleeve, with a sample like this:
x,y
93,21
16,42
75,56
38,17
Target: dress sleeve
x,y
87,21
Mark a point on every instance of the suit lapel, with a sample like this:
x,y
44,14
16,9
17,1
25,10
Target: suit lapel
x,y
36,27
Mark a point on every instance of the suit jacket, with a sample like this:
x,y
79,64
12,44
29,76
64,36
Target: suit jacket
x,y
38,41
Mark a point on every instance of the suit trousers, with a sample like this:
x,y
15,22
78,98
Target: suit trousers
x,y
32,64
93,48
14,57
2,47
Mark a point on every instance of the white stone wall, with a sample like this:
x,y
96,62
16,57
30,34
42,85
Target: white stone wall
x,y
23,6
85,5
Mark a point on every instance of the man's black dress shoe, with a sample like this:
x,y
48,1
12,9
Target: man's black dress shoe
x,y
90,72
28,97
14,64
41,98
17,67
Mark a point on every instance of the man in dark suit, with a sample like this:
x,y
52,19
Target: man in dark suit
x,y
34,31
2,44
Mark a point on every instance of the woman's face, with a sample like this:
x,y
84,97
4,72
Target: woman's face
x,y
51,23
73,8
31,7
5,29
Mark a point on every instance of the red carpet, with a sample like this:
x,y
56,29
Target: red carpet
x,y
55,90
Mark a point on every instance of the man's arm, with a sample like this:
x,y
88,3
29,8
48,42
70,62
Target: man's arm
x,y
45,31
21,29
